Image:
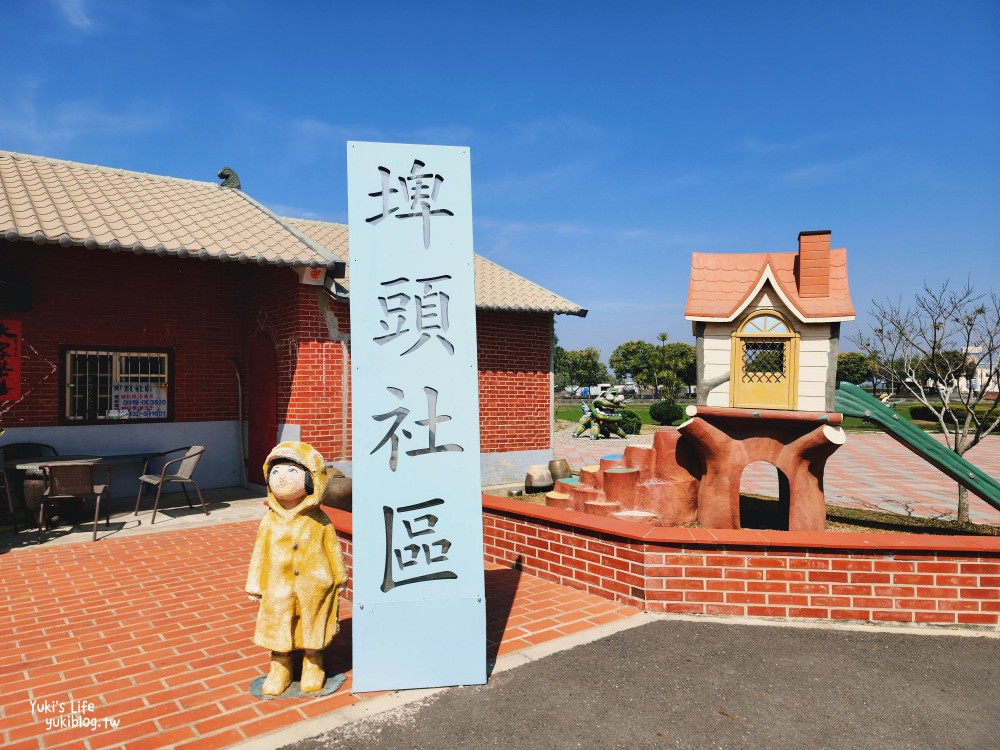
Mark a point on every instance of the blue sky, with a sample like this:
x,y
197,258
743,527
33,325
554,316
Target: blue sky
x,y
609,141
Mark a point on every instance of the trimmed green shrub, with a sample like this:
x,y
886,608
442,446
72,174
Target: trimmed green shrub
x,y
924,414
666,412
630,422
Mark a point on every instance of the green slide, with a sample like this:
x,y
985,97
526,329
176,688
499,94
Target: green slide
x,y
852,401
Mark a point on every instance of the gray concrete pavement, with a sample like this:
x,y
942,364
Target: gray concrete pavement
x,y
708,684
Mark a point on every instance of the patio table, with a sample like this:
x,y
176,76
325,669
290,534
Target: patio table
x,y
32,486
142,456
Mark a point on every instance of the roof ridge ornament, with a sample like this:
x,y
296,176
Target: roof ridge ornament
x,y
229,178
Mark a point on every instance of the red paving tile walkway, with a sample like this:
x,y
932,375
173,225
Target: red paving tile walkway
x,y
155,631
871,470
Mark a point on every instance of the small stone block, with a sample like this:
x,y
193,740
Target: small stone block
x,y
600,508
332,683
637,516
560,500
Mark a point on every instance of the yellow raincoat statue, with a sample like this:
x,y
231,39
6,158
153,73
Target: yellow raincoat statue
x,y
297,569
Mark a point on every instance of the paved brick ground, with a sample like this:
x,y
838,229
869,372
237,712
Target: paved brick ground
x,y
155,631
871,470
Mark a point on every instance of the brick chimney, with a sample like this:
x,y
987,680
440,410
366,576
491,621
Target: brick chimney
x,y
814,264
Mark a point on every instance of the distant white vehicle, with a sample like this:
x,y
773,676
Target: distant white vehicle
x,y
586,391
599,389
629,389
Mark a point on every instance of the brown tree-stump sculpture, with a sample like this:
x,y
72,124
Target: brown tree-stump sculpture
x,y
797,443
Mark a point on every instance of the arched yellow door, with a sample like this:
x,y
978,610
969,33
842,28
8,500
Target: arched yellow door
x,y
764,363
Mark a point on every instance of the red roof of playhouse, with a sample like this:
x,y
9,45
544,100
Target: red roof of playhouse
x,y
811,282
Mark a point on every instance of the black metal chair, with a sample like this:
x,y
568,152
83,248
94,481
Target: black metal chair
x,y
66,481
185,466
11,478
5,486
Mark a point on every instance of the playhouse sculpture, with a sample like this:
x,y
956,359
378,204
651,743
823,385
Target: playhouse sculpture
x,y
602,418
767,327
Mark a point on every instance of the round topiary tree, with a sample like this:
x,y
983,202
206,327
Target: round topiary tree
x,y
630,422
666,412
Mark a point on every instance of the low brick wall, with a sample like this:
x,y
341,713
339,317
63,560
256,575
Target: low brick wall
x,y
911,578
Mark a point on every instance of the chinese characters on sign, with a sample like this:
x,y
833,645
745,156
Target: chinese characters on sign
x,y
399,414
10,360
140,400
417,191
429,312
422,559
418,568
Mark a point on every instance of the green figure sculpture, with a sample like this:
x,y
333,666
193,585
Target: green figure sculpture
x,y
601,418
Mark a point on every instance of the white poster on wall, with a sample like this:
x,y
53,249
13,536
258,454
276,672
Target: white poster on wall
x,y
419,606
139,400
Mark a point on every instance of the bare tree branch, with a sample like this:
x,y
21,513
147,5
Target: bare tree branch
x,y
944,350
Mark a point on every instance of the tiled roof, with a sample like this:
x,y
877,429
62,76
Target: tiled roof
x,y
331,236
496,287
500,289
722,285
50,201
46,200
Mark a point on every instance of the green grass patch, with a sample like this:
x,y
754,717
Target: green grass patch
x,y
573,413
763,512
856,424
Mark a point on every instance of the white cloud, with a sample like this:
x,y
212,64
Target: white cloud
x,y
75,13
310,136
445,135
655,237
560,176
28,125
558,128
803,142
650,307
824,171
297,212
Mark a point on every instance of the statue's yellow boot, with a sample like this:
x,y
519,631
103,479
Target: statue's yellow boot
x,y
313,674
280,676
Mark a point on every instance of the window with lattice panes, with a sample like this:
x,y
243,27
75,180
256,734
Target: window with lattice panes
x,y
763,360
116,384
764,343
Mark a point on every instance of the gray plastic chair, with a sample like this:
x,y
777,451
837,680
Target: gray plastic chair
x,y
176,470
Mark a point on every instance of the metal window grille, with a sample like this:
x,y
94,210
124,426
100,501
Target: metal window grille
x,y
109,384
764,361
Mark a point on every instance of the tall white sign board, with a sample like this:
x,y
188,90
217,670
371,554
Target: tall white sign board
x,y
419,604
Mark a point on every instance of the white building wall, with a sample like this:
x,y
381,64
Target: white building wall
x,y
814,353
814,365
717,355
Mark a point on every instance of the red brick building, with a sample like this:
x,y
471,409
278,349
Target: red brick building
x,y
140,312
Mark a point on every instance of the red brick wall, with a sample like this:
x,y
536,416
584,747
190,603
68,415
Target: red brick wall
x,y
833,576
99,298
320,385
515,388
311,385
207,311
515,394
343,521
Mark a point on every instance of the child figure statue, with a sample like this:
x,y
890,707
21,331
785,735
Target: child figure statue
x,y
297,569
